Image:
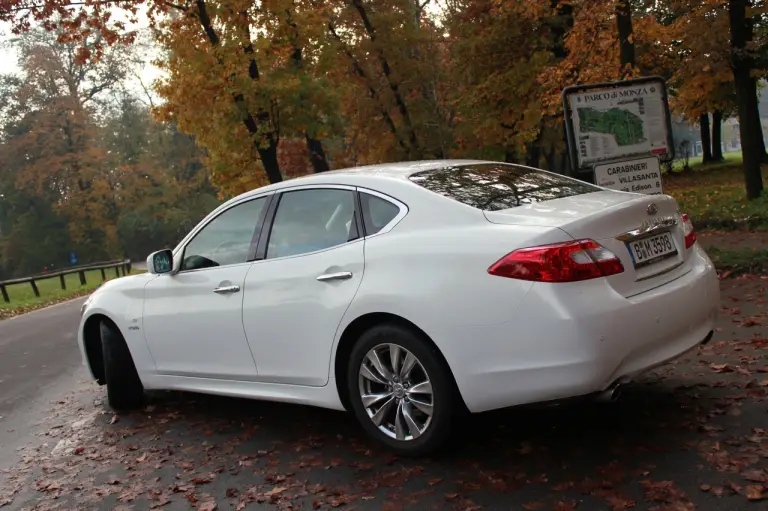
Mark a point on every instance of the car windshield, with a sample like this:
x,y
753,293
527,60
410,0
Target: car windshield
x,y
496,186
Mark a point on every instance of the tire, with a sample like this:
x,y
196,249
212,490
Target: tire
x,y
429,366
124,388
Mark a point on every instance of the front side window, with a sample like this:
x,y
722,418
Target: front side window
x,y
226,239
311,220
377,212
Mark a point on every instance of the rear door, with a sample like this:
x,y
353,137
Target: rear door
x,y
295,297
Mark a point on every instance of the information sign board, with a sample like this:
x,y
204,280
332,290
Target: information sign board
x,y
642,175
618,121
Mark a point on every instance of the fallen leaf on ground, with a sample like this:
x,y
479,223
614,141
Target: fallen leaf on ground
x,y
757,476
755,492
160,503
208,506
275,491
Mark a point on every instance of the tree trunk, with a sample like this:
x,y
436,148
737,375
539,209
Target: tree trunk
x,y
746,97
762,141
706,139
269,160
626,41
316,154
717,136
533,154
509,156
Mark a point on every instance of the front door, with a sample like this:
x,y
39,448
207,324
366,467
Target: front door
x,y
296,297
193,320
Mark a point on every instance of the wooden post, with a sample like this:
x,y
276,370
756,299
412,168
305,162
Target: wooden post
x,y
34,288
82,277
5,294
63,281
129,265
103,275
117,271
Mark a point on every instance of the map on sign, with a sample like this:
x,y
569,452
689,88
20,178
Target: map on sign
x,y
625,126
618,121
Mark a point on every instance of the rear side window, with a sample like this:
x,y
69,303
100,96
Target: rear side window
x,y
377,212
494,186
311,220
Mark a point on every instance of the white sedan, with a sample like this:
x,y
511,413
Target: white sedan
x,y
407,293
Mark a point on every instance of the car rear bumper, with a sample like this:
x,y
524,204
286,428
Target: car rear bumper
x,y
567,340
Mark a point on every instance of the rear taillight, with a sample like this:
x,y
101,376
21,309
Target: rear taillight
x,y
560,262
690,234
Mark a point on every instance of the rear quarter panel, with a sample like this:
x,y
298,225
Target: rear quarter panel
x,y
435,274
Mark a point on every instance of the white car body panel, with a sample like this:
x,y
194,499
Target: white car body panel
x,y
506,341
291,318
192,331
121,301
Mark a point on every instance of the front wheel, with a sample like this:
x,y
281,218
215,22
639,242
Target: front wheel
x,y
400,390
124,388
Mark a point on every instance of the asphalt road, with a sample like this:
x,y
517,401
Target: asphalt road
x,y
690,436
39,359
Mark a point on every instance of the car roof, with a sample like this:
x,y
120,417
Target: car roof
x,y
366,174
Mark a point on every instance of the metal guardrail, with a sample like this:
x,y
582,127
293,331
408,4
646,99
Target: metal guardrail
x,y
120,264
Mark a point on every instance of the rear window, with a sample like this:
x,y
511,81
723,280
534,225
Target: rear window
x,y
494,186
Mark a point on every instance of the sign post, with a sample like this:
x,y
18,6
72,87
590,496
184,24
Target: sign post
x,y
619,132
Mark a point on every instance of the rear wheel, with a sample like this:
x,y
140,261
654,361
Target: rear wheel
x,y
400,390
124,388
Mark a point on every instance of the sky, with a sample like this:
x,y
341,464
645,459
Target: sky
x,y
9,57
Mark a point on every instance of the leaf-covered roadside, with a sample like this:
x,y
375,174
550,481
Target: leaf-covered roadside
x,y
736,252
692,435
714,199
51,295
10,312
739,261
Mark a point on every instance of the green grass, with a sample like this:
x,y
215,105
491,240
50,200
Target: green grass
x,y
715,198
740,260
695,162
23,297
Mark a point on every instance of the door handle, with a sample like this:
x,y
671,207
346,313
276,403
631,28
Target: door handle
x,y
226,289
342,275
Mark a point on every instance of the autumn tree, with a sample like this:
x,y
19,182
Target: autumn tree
x,y
53,141
386,59
85,168
743,65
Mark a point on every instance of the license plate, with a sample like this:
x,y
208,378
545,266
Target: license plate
x,y
648,250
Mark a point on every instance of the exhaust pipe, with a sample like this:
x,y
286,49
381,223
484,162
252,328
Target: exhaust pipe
x,y
611,394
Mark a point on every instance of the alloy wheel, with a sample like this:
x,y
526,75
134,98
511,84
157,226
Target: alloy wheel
x,y
396,392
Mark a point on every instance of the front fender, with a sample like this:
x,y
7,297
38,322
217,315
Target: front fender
x,y
121,301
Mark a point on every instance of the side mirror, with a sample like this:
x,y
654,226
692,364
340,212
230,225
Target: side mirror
x,y
160,262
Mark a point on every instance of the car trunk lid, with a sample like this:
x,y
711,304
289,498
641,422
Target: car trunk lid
x,y
645,232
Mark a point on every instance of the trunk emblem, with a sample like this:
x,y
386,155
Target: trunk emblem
x,y
652,209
